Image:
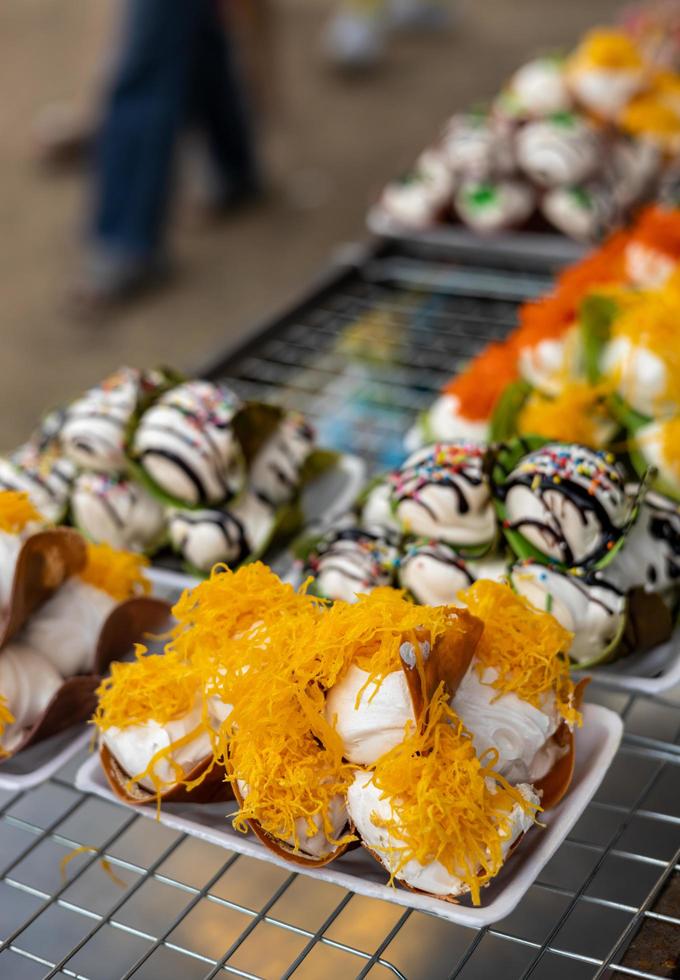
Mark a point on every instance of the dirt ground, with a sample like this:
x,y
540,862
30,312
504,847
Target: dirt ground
x,y
330,145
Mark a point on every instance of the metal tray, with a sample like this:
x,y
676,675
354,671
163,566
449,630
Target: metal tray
x,y
362,352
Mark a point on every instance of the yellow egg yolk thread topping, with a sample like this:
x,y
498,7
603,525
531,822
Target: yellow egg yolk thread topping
x,y
118,573
528,649
611,50
16,511
448,805
577,414
670,445
6,718
370,632
155,687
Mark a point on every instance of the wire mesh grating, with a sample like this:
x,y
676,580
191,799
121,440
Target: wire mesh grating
x,y
361,356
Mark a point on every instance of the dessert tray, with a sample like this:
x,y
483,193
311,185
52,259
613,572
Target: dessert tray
x,y
596,745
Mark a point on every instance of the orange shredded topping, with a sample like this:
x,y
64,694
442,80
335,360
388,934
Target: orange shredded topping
x,y
670,445
448,806
577,414
17,511
528,649
659,228
608,49
118,573
481,384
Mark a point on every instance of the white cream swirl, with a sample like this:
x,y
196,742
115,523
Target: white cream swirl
x,y
28,683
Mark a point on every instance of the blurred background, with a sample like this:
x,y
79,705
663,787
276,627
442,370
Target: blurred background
x,y
327,140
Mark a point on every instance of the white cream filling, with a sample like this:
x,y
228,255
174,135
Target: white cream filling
x,y
119,513
317,845
570,215
516,729
641,377
65,630
377,509
650,556
379,721
594,614
10,546
550,363
604,90
432,578
205,537
553,154
94,431
445,422
275,471
366,804
135,745
647,267
417,200
539,88
434,511
580,530
28,683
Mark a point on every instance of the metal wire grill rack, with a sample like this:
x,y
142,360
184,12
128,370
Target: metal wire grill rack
x,y
361,355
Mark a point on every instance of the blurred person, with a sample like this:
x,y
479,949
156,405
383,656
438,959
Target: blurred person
x,y
174,68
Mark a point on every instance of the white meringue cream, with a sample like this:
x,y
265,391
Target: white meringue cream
x,y
548,500
28,683
418,198
275,472
186,443
65,630
558,151
95,429
582,213
352,561
46,478
206,537
650,556
117,512
550,363
434,574
366,805
441,493
605,91
445,422
641,377
377,508
538,88
516,729
10,546
593,613
475,147
379,720
647,267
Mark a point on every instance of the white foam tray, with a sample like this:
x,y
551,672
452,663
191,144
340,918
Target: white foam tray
x,y
596,745
652,672
34,765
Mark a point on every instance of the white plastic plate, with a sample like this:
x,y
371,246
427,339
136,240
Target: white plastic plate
x,y
652,672
33,765
596,745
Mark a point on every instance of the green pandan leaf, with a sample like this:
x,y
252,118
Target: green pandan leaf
x,y
254,424
506,413
611,652
318,462
288,522
596,315
626,416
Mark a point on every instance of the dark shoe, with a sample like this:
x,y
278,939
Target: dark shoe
x,y
108,282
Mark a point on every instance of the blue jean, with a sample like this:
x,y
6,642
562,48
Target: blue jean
x,y
175,68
